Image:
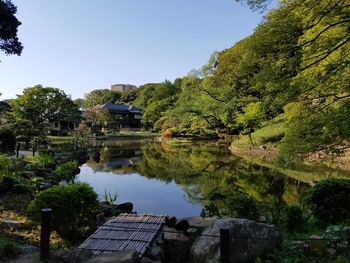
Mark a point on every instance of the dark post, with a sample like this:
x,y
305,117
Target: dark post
x,y
17,149
225,245
33,148
45,233
348,235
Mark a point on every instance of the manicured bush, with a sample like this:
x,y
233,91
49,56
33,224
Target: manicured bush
x,y
73,206
329,200
7,140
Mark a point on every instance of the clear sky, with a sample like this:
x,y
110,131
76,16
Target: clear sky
x,y
81,45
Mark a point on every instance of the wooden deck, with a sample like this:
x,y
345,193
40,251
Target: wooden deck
x,y
126,231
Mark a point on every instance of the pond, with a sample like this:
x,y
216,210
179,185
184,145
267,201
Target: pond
x,y
187,179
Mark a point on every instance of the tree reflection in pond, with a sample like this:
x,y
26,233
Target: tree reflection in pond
x,y
210,176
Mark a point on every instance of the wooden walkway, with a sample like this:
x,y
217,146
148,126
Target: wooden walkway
x,y
126,231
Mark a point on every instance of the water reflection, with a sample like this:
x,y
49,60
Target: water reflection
x,y
184,179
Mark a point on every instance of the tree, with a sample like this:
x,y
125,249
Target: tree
x,y
40,106
9,42
101,96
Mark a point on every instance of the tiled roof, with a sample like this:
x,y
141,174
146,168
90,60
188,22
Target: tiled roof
x,y
118,108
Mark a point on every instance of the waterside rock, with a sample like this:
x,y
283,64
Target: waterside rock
x,y
248,240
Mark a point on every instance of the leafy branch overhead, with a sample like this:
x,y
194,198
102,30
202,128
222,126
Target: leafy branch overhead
x,y
9,42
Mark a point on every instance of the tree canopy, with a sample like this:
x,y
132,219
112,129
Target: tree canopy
x,y
9,42
40,105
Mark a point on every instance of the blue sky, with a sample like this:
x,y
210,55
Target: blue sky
x,y
81,45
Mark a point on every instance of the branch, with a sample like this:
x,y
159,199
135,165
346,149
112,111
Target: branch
x,y
211,95
324,14
326,54
321,32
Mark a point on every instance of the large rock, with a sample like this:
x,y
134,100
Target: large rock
x,y
248,240
124,256
176,247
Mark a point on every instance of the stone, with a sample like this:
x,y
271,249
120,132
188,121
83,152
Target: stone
x,y
170,221
182,225
341,249
28,249
28,174
176,247
126,207
201,222
124,256
81,255
7,222
317,244
156,253
26,258
248,240
145,260
299,245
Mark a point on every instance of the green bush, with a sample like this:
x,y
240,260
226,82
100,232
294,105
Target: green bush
x,y
16,184
38,161
294,218
66,171
73,208
7,140
8,249
329,200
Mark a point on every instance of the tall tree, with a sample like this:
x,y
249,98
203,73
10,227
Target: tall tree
x,y
9,42
40,105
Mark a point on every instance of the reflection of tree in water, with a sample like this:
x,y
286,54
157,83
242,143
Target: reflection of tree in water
x,y
116,158
212,176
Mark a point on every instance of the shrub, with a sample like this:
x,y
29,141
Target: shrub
x,y
66,171
294,218
8,249
73,207
15,184
329,200
38,161
7,140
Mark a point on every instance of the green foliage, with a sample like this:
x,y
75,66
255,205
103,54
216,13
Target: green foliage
x,y
294,219
40,105
335,232
35,162
329,201
8,249
7,139
9,42
108,198
101,96
66,171
16,184
73,206
288,253
242,206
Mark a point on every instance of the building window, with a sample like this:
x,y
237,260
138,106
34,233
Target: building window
x,y
56,124
137,117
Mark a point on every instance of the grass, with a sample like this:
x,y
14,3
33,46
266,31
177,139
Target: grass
x,y
269,134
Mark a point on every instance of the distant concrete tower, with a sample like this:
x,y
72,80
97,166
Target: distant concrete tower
x,y
122,87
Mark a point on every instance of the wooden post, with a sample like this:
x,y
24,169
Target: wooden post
x,y
33,149
18,147
348,236
225,245
45,234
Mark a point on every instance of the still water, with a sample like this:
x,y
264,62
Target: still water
x,y
183,179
